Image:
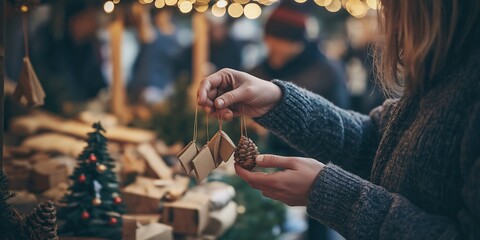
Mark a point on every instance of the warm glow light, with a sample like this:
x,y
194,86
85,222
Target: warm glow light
x,y
201,8
116,1
252,11
24,8
334,6
170,2
242,1
373,4
235,10
300,1
356,8
185,6
217,11
148,1
109,6
160,3
323,3
222,3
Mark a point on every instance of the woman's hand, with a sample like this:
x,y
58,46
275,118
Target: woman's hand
x,y
233,93
290,185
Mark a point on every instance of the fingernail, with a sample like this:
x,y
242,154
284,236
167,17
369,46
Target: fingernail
x,y
220,103
259,158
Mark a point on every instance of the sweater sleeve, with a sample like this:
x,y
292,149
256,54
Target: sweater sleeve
x,y
358,209
323,131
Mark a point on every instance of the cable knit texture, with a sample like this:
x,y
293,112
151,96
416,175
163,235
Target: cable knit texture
x,y
410,170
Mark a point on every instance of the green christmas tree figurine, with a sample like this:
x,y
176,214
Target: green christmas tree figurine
x,y
93,206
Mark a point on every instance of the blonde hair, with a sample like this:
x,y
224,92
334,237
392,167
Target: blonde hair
x,y
419,37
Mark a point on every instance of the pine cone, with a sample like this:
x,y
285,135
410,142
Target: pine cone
x,y
246,153
41,224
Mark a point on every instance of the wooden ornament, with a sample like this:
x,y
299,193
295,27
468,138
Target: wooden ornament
x,y
29,92
187,155
203,163
96,201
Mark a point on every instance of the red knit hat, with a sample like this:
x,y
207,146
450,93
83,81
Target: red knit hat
x,y
287,23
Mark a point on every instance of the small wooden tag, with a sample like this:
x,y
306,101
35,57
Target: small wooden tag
x,y
187,155
203,163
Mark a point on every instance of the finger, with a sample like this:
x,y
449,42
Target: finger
x,y
257,179
221,78
274,161
229,98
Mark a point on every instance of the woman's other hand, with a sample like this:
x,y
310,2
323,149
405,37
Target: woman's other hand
x,y
290,185
233,93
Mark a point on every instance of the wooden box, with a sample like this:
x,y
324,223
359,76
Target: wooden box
x,y
188,215
47,175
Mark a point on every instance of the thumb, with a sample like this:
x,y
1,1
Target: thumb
x,y
229,98
274,161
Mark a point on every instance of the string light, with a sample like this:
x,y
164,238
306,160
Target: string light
x,y
235,10
334,6
148,1
323,3
300,1
252,11
222,3
160,3
356,8
170,2
242,1
373,4
116,1
109,6
24,8
185,6
217,11
201,8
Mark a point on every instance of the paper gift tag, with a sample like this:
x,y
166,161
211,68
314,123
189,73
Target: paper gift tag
x,y
214,146
29,92
221,147
227,147
187,155
203,163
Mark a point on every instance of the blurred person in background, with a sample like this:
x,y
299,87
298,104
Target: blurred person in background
x,y
358,58
67,59
153,74
293,57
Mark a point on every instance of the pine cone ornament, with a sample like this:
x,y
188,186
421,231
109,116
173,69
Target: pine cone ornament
x,y
246,153
41,224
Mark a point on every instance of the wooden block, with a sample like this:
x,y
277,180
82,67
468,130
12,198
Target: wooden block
x,y
188,215
143,197
154,231
187,155
19,173
56,143
132,162
40,120
129,228
177,188
203,164
156,167
142,218
47,175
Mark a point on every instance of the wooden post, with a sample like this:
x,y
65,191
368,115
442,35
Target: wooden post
x,y
200,53
119,101
2,76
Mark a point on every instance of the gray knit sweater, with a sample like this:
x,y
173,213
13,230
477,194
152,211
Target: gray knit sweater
x,y
410,170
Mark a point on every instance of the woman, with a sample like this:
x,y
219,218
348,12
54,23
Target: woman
x,y
419,156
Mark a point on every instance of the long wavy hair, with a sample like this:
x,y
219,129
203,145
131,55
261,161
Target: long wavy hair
x,y
420,37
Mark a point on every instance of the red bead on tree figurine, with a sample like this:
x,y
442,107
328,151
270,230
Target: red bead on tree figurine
x,y
113,221
82,178
85,215
117,200
92,158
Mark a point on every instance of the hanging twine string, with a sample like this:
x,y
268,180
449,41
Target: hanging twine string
x,y
25,32
243,123
220,121
206,118
195,125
